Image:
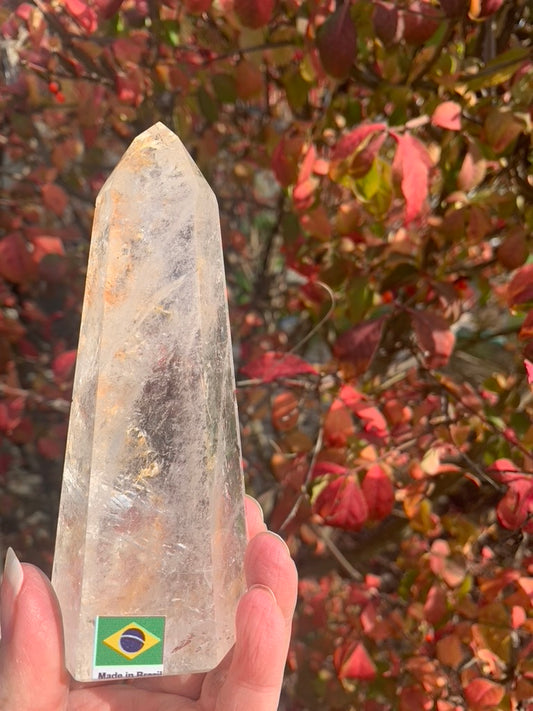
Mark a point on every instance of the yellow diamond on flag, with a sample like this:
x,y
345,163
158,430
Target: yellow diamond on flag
x,y
131,640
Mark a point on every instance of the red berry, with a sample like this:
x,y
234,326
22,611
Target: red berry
x,y
60,97
53,87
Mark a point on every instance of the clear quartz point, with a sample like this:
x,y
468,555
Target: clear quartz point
x,y
151,522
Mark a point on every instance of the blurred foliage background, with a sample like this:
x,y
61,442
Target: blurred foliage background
x,y
372,163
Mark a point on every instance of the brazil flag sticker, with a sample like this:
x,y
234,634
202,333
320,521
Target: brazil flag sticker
x,y
128,647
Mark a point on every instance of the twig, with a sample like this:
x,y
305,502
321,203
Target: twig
x,y
304,494
336,553
322,320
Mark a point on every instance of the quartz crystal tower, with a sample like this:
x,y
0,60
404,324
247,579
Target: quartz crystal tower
x,y
151,534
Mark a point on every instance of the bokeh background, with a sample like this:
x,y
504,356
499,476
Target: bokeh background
x,y
372,163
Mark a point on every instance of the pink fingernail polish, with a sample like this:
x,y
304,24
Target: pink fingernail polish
x,y
11,584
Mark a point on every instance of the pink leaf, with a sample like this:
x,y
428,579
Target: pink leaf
x,y
529,371
514,510
379,493
447,115
520,288
482,694
353,662
84,15
272,366
412,164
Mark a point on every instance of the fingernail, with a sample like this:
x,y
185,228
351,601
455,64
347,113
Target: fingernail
x,y
256,502
11,584
271,533
258,586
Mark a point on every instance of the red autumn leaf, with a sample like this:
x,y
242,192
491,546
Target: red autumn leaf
x,y
526,330
373,422
286,160
350,396
529,370
84,15
339,425
108,8
435,605
336,42
11,412
359,161
254,13
341,503
196,7
414,697
129,87
412,163
502,127
372,419
352,661
44,245
303,193
518,616
473,169
483,8
503,470
420,21
322,469
434,337
520,288
359,344
54,198
447,115
450,650
352,141
385,20
273,366
516,506
16,263
450,568
482,694
285,411
306,167
378,491
63,366
526,583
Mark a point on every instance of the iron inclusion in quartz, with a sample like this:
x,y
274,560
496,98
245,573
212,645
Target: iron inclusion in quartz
x,y
151,523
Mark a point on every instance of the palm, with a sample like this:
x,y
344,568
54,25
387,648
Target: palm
x,y
33,678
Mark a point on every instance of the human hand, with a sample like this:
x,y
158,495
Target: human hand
x,y
32,669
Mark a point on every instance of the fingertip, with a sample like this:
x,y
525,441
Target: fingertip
x,y
254,517
31,659
260,639
268,562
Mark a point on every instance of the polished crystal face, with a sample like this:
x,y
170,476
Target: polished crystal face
x,y
151,519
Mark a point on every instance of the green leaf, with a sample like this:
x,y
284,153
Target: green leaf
x,y
498,70
225,88
296,88
207,104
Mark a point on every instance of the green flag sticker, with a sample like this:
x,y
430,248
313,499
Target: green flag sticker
x,y
128,647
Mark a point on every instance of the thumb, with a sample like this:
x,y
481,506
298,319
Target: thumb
x,y
32,671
